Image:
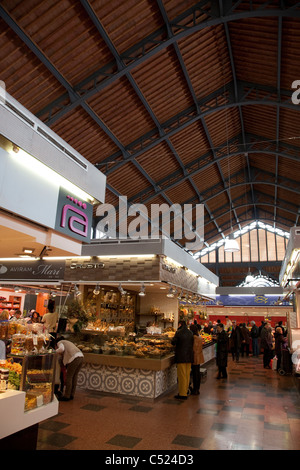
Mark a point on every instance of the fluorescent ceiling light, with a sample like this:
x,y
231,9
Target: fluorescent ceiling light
x,y
52,177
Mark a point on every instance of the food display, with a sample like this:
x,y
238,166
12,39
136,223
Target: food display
x,y
110,328
25,338
206,338
22,344
33,374
148,346
14,373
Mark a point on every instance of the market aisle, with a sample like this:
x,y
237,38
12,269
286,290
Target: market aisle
x,y
254,409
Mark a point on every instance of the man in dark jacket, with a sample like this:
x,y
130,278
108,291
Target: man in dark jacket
x,y
183,342
222,351
235,341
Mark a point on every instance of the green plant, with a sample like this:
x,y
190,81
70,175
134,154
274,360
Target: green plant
x,y
81,312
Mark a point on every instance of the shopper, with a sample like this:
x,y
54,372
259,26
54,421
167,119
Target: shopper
x,y
228,324
235,341
254,333
4,315
267,345
72,359
50,321
280,343
245,345
208,328
222,351
16,316
198,360
183,342
35,318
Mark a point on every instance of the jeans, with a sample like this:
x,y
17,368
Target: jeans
x,y
196,377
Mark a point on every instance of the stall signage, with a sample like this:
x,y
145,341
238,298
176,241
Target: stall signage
x,y
35,270
73,216
168,268
89,265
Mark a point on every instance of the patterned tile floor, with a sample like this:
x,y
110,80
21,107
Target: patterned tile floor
x,y
254,409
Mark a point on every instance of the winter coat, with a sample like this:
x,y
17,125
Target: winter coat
x,y
254,332
183,342
236,338
280,343
266,338
222,349
197,349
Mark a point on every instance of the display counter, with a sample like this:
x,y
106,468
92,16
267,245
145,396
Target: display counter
x,y
27,398
129,375
18,425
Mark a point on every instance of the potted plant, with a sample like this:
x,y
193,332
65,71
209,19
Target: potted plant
x,y
79,315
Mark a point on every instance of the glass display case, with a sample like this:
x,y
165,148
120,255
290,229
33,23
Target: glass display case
x,y
35,375
154,346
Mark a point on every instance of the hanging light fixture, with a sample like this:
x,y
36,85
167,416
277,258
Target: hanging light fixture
x,y
171,292
122,291
249,277
76,291
231,245
142,292
179,297
96,291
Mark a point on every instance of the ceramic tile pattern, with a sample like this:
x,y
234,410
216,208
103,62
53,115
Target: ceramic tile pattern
x,y
255,408
120,380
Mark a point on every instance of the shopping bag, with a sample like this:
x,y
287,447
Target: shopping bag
x,y
274,363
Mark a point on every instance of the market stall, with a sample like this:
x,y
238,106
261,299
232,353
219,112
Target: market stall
x,y
131,294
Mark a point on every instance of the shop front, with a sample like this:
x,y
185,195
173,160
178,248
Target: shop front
x,y
132,301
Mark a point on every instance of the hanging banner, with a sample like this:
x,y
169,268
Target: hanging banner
x,y
248,300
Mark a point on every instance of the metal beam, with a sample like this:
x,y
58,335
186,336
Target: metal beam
x,y
155,43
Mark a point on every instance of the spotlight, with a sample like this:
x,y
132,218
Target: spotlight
x,y
142,292
122,291
171,292
96,291
179,297
76,291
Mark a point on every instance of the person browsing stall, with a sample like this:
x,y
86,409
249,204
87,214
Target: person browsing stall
x,y
183,342
72,359
198,360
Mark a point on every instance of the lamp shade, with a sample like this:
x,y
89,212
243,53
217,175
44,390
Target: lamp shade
x,y
231,245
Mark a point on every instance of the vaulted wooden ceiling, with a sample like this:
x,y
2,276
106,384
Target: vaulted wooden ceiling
x,y
175,101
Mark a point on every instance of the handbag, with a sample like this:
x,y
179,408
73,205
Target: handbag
x,y
274,363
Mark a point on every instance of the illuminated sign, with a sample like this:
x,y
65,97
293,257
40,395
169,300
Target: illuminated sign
x,y
73,216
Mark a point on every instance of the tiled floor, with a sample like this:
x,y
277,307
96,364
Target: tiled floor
x,y
255,408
